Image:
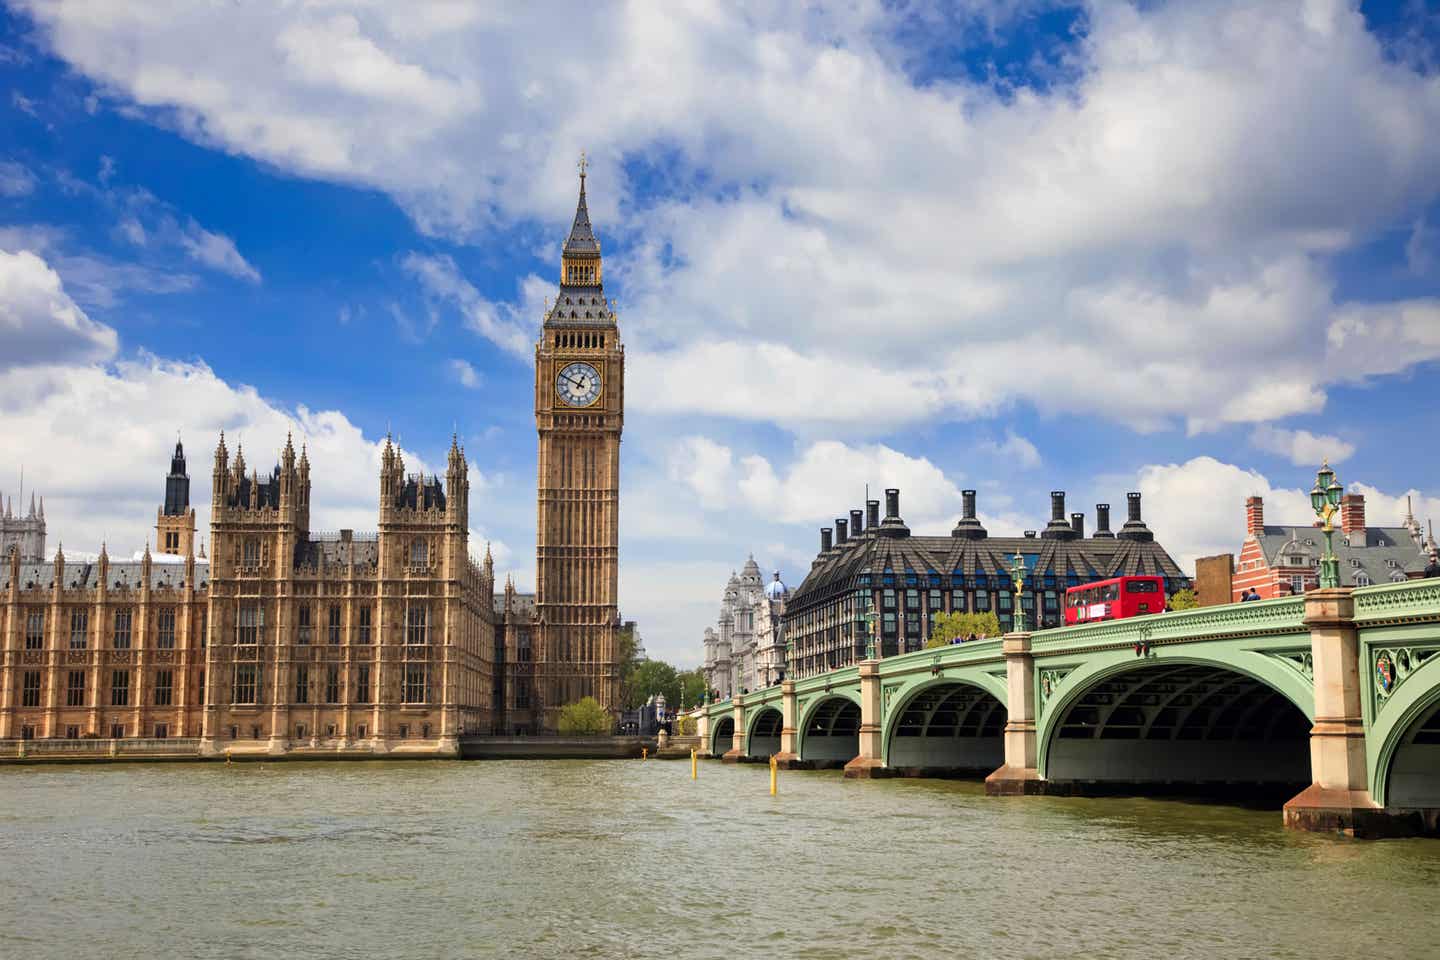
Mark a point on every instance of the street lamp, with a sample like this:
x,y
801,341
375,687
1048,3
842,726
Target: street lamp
x,y
1325,499
1017,575
870,617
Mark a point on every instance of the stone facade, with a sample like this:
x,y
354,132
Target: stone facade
x,y
23,531
746,650
579,414
287,641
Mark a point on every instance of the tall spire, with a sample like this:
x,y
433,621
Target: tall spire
x,y
580,258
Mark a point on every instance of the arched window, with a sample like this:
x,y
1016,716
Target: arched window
x,y
1362,579
419,552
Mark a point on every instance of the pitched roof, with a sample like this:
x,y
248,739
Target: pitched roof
x,y
1096,558
1373,557
124,574
582,242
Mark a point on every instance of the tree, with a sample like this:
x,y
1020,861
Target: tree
x,y
948,626
1184,600
649,677
585,718
692,687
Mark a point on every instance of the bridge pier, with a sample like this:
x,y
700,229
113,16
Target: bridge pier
x,y
1338,800
1020,775
788,758
736,753
869,763
702,730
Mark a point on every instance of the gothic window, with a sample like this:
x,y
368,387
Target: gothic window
x,y
252,552
362,683
302,684
75,689
35,630
165,628
332,684
333,628
30,696
304,616
419,552
417,624
200,687
164,687
251,622
247,684
79,629
415,684
364,632
204,625
120,688
122,630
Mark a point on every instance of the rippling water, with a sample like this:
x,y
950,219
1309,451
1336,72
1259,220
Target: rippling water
x,y
631,859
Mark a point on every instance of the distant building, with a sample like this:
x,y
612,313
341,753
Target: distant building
x,y
25,532
1285,559
870,564
746,648
175,520
1214,579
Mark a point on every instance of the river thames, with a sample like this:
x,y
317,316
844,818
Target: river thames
x,y
624,859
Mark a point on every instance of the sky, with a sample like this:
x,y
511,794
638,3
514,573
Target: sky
x,y
1185,248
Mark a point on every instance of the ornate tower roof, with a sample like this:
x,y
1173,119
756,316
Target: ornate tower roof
x,y
582,242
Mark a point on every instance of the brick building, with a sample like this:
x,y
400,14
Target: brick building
x,y
1279,560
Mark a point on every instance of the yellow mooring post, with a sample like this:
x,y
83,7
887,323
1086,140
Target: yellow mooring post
x,y
644,753
694,764
774,774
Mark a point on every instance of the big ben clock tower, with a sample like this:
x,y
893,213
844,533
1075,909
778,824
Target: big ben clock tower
x,y
579,412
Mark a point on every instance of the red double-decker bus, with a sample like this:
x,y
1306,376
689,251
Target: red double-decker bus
x,y
1114,599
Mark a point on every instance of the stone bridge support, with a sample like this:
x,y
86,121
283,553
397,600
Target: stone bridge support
x,y
788,758
736,753
1338,799
702,729
1020,774
869,763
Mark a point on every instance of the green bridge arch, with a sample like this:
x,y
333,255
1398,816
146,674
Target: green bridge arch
x,y
826,749
1068,685
900,695
1394,721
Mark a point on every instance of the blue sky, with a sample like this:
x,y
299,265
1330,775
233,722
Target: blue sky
x,y
1181,248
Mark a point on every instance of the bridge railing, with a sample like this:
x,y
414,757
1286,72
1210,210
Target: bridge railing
x,y
1283,615
1407,600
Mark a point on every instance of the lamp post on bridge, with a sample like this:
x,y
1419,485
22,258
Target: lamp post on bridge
x,y
870,617
1017,576
1325,499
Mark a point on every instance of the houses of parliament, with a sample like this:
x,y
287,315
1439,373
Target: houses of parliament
x,y
288,641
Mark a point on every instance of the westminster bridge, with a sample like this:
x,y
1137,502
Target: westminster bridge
x,y
1335,694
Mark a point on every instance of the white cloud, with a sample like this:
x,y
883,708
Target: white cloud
x,y
1014,449
217,251
464,374
504,325
39,323
1301,447
826,480
16,180
975,248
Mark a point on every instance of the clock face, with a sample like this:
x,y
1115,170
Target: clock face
x,y
578,384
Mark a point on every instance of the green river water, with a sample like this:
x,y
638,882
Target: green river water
x,y
621,859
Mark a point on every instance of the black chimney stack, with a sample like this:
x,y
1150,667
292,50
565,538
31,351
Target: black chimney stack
x,y
968,527
841,529
1077,524
892,525
857,523
824,539
1102,520
1057,528
1134,528
872,515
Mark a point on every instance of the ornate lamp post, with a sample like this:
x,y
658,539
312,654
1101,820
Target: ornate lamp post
x,y
1017,576
1325,499
870,617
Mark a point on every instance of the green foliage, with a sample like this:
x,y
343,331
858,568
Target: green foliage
x,y
1184,600
685,727
692,687
585,718
647,678
948,626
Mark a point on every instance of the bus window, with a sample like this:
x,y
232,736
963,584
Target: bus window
x,y
1110,592
1142,586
